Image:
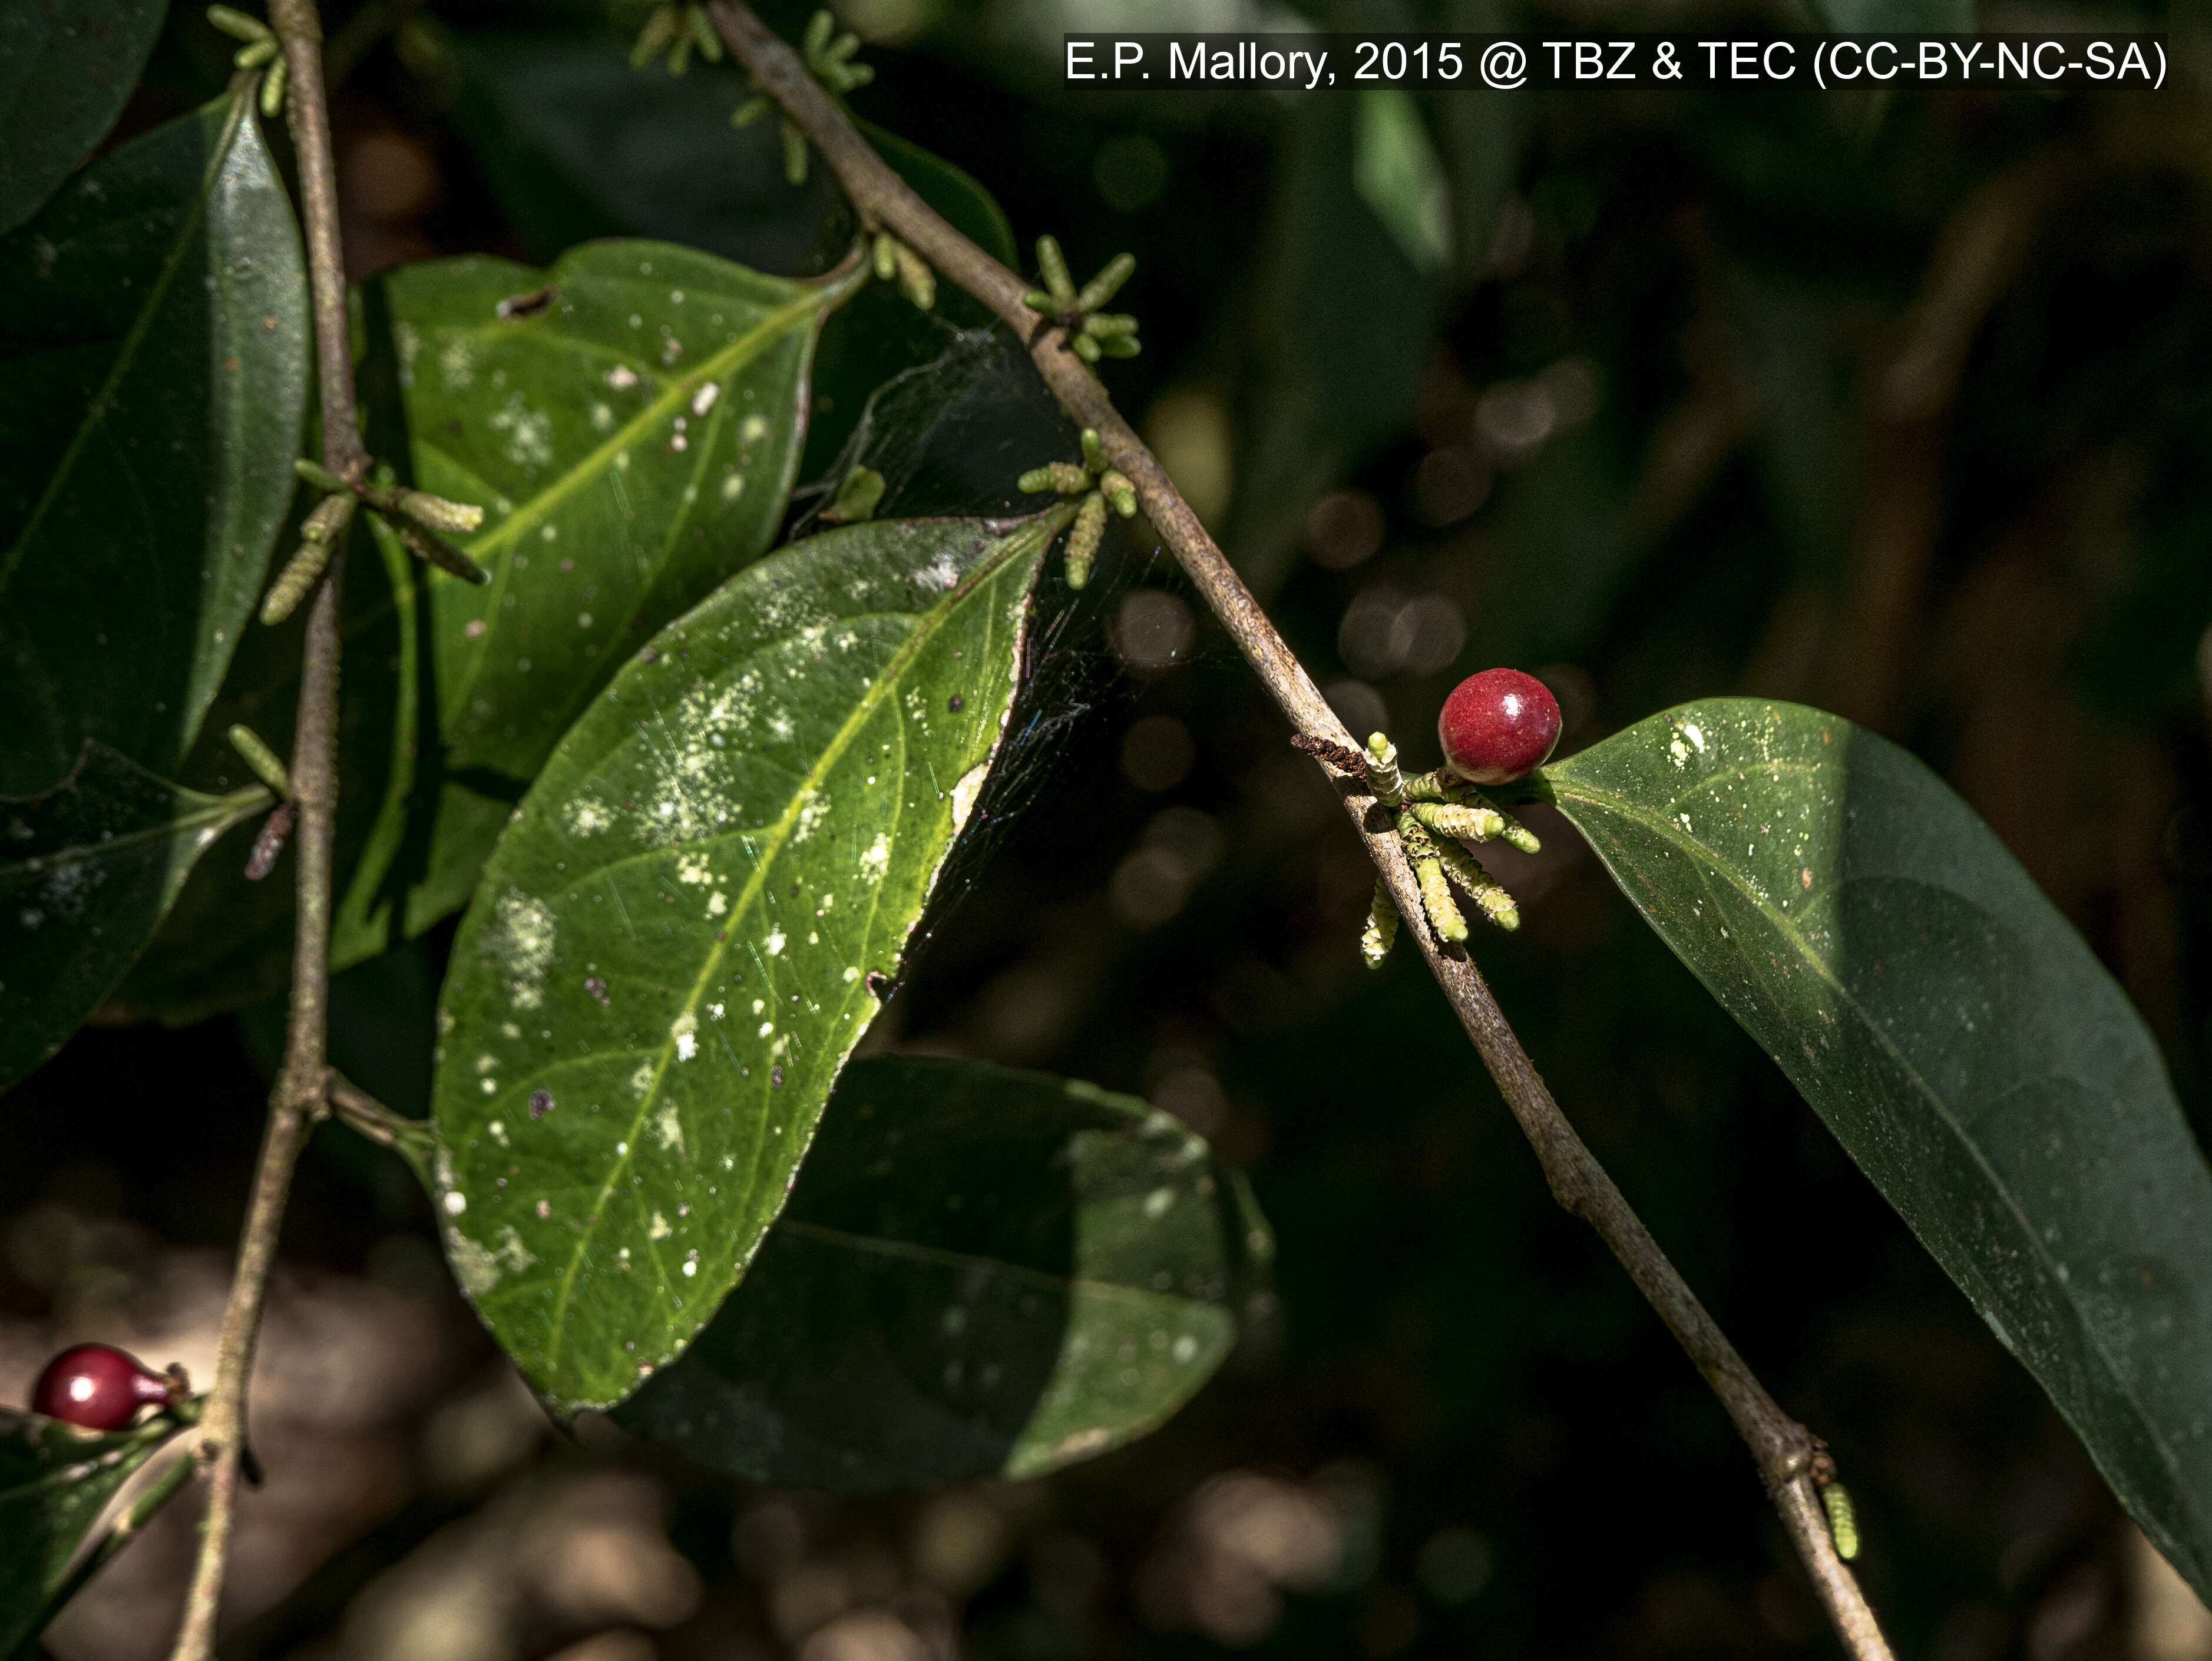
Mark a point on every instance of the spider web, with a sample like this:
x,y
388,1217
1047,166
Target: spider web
x,y
950,438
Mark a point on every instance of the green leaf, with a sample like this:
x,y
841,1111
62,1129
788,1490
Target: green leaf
x,y
1962,1042
981,1272
55,1481
153,373
86,872
65,68
669,959
1396,170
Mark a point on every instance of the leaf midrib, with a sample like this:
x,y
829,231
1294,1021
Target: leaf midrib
x,y
226,809
97,412
496,543
1689,844
914,1252
1042,528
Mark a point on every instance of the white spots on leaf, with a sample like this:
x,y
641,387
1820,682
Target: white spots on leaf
x,y
851,975
622,378
474,1266
641,1079
703,399
939,574
658,1229
685,1031
587,817
497,1131
813,808
522,939
775,943
603,419
876,859
753,429
693,868
528,432
717,905
457,364
456,1203
668,1127
733,485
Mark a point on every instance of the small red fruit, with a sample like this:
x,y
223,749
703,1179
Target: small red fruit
x,y
97,1387
1497,725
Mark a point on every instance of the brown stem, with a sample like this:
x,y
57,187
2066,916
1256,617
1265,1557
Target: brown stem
x,y
1782,1448
298,1098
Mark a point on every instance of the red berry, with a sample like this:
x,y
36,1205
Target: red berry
x,y
1497,725
96,1387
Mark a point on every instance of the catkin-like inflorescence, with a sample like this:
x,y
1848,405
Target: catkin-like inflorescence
x,y
1120,492
1382,929
1065,477
267,766
324,527
1052,266
1842,1521
886,256
438,513
427,545
1383,777
1511,832
1103,286
794,152
1489,894
237,24
1083,541
1428,869
1449,819
915,280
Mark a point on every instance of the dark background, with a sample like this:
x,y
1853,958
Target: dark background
x,y
1900,404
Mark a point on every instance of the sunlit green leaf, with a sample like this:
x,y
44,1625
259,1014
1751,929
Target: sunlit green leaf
x,y
1396,170
55,1481
1962,1042
86,872
981,1272
153,371
671,953
65,68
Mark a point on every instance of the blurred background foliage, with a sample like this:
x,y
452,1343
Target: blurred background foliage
x,y
1899,403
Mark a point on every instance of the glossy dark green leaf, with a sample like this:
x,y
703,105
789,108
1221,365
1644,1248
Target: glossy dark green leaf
x,y
86,872
1962,1042
576,144
981,1272
153,373
669,959
55,1481
65,68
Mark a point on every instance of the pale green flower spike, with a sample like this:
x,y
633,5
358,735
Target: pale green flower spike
x,y
1065,477
1383,775
253,56
1119,491
857,497
1428,869
886,254
1512,832
321,532
437,513
273,91
1094,452
1382,929
1103,286
1086,348
1488,893
752,110
1083,541
1843,1522
1052,266
416,517
915,280
264,761
828,60
794,153
238,25
702,31
1474,824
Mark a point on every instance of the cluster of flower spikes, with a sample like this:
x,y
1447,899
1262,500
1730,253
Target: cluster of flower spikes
x,y
828,57
1091,334
1100,486
261,49
1497,727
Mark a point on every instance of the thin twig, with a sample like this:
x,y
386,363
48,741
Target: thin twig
x,y
1782,1448
413,1139
298,1099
